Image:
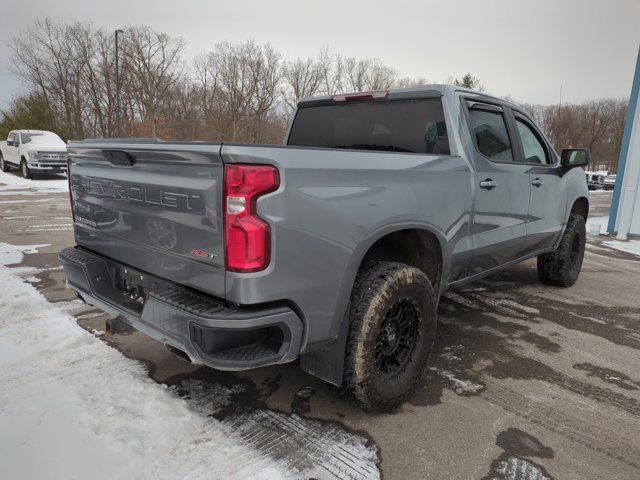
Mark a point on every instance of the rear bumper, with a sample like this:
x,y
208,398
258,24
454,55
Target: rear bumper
x,y
208,331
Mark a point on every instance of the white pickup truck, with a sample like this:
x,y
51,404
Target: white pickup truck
x,y
33,151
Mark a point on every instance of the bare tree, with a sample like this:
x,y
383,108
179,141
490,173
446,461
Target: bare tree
x,y
46,57
406,82
152,67
302,78
331,68
268,77
367,74
597,125
96,56
238,80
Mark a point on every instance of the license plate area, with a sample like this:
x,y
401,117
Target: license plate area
x,y
133,284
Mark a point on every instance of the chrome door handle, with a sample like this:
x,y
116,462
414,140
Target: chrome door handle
x,y
488,184
536,182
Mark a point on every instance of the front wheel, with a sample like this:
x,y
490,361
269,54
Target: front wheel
x,y
393,322
3,166
24,168
561,268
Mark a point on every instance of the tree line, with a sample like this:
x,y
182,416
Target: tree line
x,y
236,92
597,125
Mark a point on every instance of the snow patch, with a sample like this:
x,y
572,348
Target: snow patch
x,y
12,254
631,246
603,221
515,468
42,200
461,300
206,398
311,449
460,386
504,306
73,407
308,447
17,185
88,316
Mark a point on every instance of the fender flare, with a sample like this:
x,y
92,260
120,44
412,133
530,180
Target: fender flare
x,y
327,362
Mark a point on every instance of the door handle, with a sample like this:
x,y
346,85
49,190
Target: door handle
x,y
536,182
488,184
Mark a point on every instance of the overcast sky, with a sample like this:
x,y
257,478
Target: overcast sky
x,y
523,48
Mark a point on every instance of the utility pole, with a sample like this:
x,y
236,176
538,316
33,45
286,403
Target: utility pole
x,y
559,119
560,95
118,134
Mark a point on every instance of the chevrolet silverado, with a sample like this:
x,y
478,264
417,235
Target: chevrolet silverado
x,y
333,249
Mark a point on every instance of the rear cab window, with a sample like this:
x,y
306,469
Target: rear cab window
x,y
409,126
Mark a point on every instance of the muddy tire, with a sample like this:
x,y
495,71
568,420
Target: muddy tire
x,y
561,268
392,326
3,166
24,169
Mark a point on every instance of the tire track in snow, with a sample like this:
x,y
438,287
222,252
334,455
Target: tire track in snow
x,y
308,447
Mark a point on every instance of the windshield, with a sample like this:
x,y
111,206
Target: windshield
x,y
413,126
44,137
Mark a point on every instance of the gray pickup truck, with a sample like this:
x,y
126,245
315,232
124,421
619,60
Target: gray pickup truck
x,y
332,250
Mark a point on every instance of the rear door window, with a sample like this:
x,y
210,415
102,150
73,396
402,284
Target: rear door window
x,y
411,126
489,129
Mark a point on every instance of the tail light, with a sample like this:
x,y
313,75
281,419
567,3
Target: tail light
x,y
247,236
73,215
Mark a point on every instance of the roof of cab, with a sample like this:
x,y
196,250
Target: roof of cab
x,y
31,131
421,91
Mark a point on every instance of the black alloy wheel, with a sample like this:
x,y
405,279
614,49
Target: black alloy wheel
x,y
397,338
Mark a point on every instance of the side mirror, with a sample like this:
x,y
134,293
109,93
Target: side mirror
x,y
575,157
10,143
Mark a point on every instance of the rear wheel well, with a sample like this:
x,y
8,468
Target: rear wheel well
x,y
415,247
581,207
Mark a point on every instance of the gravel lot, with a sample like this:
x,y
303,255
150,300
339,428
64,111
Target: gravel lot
x,y
525,382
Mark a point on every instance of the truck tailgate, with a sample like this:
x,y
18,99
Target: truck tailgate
x,y
155,206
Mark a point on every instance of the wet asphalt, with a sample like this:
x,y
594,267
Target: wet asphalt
x,y
525,381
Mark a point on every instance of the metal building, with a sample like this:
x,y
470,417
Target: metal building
x,y
624,218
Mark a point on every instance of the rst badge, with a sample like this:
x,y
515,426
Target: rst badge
x,y
202,254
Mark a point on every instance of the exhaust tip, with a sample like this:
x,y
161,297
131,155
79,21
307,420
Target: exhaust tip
x,y
177,352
